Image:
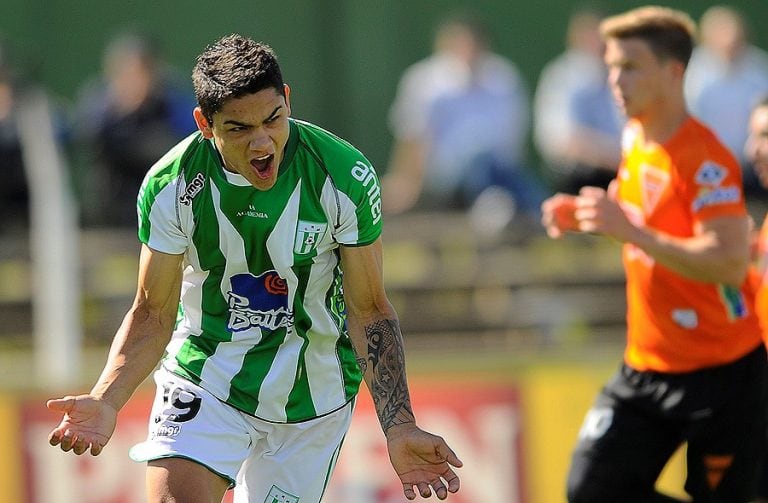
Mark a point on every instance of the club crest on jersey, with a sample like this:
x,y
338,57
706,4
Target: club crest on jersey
x,y
194,187
308,234
653,182
277,495
258,302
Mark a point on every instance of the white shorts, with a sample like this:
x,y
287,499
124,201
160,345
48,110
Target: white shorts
x,y
264,461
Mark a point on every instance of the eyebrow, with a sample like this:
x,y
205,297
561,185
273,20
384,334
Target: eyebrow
x,y
274,112
233,122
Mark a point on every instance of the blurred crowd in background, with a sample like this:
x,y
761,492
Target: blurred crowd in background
x,y
461,122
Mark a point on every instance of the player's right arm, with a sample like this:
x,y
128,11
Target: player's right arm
x,y
89,420
557,214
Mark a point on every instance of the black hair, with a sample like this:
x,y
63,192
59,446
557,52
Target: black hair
x,y
232,67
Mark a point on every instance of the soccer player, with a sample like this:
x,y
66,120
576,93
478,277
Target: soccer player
x,y
246,227
757,152
694,365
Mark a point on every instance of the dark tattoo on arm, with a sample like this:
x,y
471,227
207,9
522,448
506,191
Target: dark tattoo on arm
x,y
363,364
386,360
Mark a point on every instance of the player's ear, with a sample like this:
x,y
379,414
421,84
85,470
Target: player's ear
x,y
678,68
202,123
287,91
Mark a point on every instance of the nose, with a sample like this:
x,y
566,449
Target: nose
x,y
259,141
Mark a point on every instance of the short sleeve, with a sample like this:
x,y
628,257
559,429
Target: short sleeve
x,y
160,217
360,218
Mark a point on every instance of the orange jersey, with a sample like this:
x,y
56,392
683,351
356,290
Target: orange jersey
x,y
760,272
676,324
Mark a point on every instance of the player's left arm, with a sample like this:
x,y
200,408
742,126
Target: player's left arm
x,y
375,332
717,252
420,459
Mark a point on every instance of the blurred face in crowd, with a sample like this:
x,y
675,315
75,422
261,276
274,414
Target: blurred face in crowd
x,y
638,79
460,42
757,144
723,32
250,133
130,75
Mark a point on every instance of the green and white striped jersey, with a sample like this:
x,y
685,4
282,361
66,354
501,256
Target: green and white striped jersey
x,y
262,320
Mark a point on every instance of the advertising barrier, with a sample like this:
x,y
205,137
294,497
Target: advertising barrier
x,y
514,434
481,421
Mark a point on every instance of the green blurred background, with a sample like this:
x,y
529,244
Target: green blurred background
x,y
342,58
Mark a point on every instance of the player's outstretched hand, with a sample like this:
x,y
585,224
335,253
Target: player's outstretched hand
x,y
88,423
423,460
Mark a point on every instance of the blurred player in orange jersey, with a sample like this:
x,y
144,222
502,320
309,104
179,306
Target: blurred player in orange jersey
x,y
757,151
694,365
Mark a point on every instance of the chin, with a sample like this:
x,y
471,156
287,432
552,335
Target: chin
x,y
264,184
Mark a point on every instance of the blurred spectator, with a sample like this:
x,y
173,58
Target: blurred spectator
x,y
577,125
725,79
14,191
460,122
128,117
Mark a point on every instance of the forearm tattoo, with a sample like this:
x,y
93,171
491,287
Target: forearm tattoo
x,y
386,360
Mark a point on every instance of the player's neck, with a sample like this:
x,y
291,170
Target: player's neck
x,y
663,123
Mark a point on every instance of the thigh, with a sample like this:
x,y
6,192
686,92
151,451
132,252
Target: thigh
x,y
178,479
725,450
762,481
620,452
189,423
762,475
293,462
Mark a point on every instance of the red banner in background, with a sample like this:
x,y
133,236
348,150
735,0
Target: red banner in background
x,y
53,476
480,420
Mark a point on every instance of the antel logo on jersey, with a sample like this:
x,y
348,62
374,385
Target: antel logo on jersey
x,y
193,188
258,301
367,176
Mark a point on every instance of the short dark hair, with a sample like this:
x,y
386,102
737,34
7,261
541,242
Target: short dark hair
x,y
670,33
232,67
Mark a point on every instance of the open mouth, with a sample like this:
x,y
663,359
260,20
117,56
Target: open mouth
x,y
263,165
